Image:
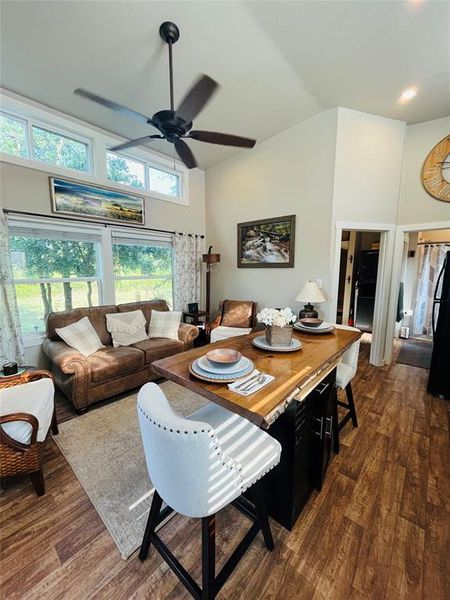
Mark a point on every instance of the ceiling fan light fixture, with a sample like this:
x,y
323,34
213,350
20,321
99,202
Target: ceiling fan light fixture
x,y
408,95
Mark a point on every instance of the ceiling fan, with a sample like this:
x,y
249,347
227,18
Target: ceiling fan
x,y
175,125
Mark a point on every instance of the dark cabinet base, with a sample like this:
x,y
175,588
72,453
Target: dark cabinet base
x,y
304,431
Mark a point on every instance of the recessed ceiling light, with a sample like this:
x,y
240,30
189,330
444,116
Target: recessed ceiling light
x,y
408,95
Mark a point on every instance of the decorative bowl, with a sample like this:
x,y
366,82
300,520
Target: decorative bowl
x,y
223,357
311,322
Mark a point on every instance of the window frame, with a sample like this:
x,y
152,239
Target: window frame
x,y
99,143
141,240
105,277
70,136
14,117
176,172
132,158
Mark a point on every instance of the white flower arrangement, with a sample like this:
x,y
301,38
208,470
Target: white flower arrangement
x,y
277,318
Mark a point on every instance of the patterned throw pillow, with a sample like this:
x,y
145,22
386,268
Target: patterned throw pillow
x,y
164,324
81,335
126,328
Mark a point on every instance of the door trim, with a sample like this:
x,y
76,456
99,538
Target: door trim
x,y
381,308
396,276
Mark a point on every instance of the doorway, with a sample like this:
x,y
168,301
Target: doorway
x,y
422,261
358,271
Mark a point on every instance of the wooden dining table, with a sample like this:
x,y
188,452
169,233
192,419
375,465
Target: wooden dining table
x,y
295,373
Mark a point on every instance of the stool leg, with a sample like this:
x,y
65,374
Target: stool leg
x,y
208,557
336,447
261,510
37,479
151,524
54,425
351,404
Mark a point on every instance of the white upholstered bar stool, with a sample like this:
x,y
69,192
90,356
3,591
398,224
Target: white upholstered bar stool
x,y
346,370
198,465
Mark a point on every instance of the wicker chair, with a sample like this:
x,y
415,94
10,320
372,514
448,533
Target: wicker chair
x,y
16,457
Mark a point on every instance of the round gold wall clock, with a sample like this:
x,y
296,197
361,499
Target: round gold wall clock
x,y
436,164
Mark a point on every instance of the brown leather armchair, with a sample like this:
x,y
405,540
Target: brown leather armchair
x,y
25,457
234,315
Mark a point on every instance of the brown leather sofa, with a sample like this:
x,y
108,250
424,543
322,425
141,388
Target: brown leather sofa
x,y
109,371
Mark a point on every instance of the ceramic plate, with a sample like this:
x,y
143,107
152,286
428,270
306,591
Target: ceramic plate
x,y
19,372
204,363
220,377
323,328
260,342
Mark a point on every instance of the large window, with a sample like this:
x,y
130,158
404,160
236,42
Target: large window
x,y
57,149
142,271
13,136
65,266
52,272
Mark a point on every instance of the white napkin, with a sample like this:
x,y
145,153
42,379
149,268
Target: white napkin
x,y
239,385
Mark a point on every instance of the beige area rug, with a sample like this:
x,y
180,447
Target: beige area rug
x,y
104,449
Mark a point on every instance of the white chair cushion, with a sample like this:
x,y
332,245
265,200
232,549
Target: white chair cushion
x,y
81,335
127,328
223,333
164,324
254,450
34,398
344,374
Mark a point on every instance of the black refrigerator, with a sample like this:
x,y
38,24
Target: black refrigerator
x,y
439,378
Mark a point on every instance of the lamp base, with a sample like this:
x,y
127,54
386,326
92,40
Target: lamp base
x,y
308,312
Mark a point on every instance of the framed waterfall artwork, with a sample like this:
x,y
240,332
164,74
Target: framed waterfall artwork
x,y
95,203
267,243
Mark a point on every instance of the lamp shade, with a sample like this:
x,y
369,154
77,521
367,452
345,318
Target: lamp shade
x,y
311,293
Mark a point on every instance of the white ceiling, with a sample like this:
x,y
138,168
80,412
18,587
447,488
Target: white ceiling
x,y
278,62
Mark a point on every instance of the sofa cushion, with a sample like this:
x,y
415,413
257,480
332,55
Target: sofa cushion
x,y
164,324
110,363
127,328
95,314
157,348
145,306
81,336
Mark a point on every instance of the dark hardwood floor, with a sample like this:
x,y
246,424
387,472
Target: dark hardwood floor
x,y
379,528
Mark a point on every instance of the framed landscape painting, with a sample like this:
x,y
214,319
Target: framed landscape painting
x,y
96,203
266,243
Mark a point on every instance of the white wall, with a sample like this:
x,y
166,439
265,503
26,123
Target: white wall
x,y
416,205
291,173
368,167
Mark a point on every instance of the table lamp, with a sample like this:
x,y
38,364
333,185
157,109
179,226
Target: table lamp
x,y
310,294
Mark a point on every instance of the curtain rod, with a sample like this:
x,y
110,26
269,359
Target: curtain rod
x,y
29,214
433,243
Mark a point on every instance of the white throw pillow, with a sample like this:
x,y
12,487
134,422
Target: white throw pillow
x,y
126,328
164,324
81,336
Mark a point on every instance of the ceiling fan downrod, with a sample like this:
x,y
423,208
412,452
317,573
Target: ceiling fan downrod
x,y
170,33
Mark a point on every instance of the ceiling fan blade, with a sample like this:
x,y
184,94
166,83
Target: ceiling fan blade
x,y
185,153
196,98
129,112
224,139
135,142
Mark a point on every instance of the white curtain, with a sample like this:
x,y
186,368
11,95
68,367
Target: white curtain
x,y
11,344
431,260
187,266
